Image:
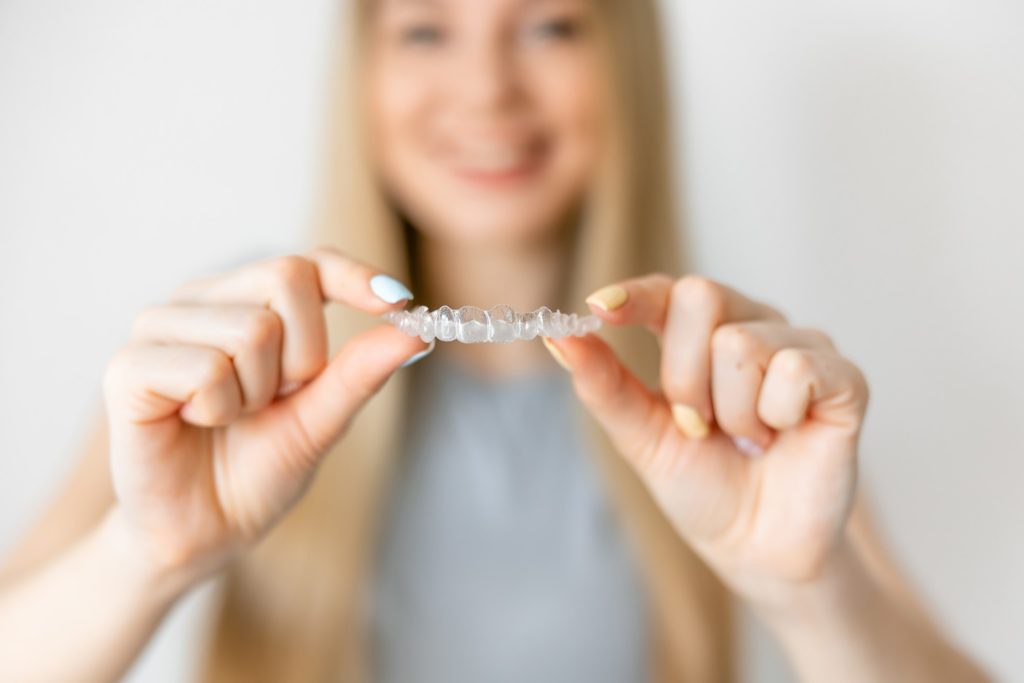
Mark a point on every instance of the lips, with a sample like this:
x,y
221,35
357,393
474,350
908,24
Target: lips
x,y
498,162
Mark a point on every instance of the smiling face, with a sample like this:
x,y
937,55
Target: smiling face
x,y
484,114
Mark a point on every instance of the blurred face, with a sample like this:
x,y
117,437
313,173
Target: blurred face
x,y
484,113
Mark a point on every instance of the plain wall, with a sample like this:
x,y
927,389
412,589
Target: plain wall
x,y
857,164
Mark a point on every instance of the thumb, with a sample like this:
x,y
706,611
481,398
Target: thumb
x,y
631,414
696,482
324,406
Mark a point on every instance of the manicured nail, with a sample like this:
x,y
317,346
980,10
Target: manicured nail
x,y
689,421
417,356
748,446
609,298
556,353
388,289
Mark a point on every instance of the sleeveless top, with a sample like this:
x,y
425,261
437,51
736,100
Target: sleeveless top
x,y
500,559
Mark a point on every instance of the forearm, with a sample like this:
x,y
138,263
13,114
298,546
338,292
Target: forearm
x,y
87,614
844,627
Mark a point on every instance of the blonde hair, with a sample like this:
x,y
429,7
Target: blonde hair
x,y
292,610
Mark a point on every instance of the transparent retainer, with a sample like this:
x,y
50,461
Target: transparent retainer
x,y
501,324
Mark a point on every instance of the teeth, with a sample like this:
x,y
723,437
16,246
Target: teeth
x,y
472,325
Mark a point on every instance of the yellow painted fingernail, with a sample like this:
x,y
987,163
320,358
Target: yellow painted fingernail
x,y
609,298
689,421
556,353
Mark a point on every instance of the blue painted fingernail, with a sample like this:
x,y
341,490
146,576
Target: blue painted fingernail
x,y
416,357
388,289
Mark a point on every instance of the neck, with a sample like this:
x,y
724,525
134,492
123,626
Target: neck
x,y
524,276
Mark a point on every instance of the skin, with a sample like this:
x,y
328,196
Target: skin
x,y
224,400
454,88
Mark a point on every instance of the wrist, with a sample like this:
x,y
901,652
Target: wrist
x,y
839,620
841,584
843,624
138,567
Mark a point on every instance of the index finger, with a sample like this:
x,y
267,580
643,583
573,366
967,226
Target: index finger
x,y
684,314
295,288
336,277
346,280
647,301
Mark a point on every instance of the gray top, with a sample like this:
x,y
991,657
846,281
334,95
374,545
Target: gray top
x,y
500,559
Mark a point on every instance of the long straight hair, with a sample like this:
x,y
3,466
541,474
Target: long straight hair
x,y
293,609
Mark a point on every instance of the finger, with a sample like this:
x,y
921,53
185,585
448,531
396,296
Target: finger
x,y
149,382
323,408
815,383
628,411
740,355
341,279
638,301
697,483
290,287
648,300
296,288
249,335
348,281
697,306
685,312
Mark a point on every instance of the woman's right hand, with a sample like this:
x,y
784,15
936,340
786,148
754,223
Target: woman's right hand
x,y
223,403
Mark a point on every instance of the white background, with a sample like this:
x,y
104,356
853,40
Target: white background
x,y
857,163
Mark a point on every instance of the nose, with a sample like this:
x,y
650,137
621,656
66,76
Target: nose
x,y
487,78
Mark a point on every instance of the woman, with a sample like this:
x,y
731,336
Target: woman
x,y
498,152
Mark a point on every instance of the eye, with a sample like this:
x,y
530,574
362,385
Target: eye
x,y
562,28
421,34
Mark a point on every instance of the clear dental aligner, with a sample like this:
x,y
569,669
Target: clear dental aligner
x,y
472,325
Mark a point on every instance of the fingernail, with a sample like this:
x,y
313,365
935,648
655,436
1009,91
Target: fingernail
x,y
388,289
689,421
609,298
748,446
556,353
412,359
289,388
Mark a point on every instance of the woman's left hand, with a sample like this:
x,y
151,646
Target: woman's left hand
x,y
750,446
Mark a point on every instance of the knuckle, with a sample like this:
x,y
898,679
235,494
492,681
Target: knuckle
x,y
659,281
735,340
325,251
698,292
792,364
861,389
261,328
215,367
820,337
292,272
